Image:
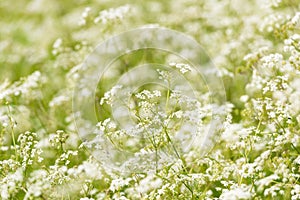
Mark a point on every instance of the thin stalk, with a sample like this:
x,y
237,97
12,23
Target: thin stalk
x,y
12,131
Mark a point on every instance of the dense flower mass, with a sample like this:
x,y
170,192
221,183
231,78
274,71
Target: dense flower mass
x,y
150,141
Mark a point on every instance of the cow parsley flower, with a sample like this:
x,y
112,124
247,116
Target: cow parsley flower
x,y
112,14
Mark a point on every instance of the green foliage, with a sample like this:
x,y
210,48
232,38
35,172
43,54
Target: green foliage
x,y
255,155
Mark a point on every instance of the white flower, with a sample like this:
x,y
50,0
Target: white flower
x,y
244,98
266,181
57,43
59,100
84,16
295,192
108,96
183,68
112,14
117,184
296,18
235,194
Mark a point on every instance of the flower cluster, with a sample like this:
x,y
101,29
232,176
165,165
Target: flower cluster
x,y
150,141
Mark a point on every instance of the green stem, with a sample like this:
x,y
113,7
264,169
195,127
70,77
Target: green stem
x,y
168,96
12,131
173,146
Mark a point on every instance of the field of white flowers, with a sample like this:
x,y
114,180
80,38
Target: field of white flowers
x,y
182,99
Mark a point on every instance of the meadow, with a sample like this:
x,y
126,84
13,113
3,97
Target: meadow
x,y
182,99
